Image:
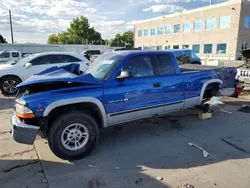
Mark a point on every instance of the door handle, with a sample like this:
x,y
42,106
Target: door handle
x,y
157,84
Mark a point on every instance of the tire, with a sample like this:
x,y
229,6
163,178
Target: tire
x,y
58,134
11,80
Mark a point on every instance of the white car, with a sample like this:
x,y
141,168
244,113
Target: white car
x,y
13,74
10,55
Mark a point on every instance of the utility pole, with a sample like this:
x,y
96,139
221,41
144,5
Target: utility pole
x,y
210,2
11,30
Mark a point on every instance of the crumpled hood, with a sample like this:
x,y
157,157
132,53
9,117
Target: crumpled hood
x,y
66,73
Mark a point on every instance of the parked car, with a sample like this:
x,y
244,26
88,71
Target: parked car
x,y
118,87
186,56
10,55
91,54
13,74
243,72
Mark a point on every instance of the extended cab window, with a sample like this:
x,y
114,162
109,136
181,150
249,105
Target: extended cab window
x,y
139,66
5,55
166,65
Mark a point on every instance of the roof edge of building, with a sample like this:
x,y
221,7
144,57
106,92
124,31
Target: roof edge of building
x,y
232,2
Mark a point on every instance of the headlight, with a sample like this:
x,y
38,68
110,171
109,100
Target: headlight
x,y
24,111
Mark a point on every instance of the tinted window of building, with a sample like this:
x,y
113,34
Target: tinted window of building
x,y
167,47
139,33
247,22
168,29
198,25
196,48
210,24
158,47
160,30
208,48
152,31
145,32
186,27
221,48
244,45
177,28
224,22
185,46
175,46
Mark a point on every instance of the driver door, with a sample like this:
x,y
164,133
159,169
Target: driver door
x,y
136,97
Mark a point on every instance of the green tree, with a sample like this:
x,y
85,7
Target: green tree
x,y
2,40
126,39
79,32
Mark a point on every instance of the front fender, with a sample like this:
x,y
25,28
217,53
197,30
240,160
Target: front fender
x,y
63,102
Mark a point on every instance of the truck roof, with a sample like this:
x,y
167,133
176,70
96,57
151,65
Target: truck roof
x,y
131,52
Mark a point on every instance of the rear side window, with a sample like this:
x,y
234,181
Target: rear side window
x,y
39,61
5,55
15,54
166,65
139,66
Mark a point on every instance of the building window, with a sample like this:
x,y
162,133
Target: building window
x,y
247,22
167,47
177,28
145,32
158,47
196,48
152,32
175,46
210,24
186,27
139,33
244,45
185,46
160,30
198,25
224,22
168,29
208,48
221,48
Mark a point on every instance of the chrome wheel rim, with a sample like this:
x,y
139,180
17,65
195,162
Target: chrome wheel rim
x,y
9,86
75,137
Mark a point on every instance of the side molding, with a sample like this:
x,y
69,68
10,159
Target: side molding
x,y
77,100
206,84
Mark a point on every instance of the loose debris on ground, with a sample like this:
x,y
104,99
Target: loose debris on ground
x,y
205,153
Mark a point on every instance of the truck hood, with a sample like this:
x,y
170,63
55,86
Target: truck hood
x,y
68,73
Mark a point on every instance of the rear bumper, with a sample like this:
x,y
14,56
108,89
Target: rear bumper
x,y
226,92
23,133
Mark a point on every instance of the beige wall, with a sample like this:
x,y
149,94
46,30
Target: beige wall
x,y
244,33
229,35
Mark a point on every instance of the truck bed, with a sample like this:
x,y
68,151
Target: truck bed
x,y
194,67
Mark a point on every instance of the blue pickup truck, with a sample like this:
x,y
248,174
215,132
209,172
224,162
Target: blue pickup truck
x,y
69,107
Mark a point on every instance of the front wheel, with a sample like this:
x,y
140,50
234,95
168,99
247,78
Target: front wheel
x,y
73,135
8,85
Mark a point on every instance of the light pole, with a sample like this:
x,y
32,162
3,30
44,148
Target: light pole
x,y
11,30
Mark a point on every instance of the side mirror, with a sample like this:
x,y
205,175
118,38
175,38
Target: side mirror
x,y
27,65
124,74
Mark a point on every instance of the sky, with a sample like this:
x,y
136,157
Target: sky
x,y
34,20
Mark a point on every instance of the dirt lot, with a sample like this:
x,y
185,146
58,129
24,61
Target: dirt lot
x,y
135,154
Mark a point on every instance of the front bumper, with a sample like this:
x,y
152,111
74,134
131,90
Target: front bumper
x,y
23,133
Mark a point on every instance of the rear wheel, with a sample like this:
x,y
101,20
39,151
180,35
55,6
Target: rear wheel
x,y
8,85
73,135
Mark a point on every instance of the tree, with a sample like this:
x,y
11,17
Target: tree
x,y
126,39
2,40
79,32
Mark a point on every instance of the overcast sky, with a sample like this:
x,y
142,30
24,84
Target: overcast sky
x,y
35,20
